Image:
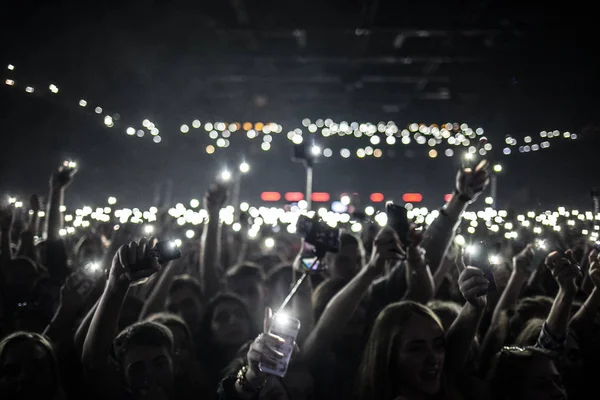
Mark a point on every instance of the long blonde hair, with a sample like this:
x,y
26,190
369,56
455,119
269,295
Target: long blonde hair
x,y
378,370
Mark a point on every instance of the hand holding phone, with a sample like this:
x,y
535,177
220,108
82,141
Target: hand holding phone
x,y
470,183
474,286
529,258
281,340
135,262
479,257
64,175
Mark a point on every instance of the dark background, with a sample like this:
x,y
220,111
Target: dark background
x,y
507,67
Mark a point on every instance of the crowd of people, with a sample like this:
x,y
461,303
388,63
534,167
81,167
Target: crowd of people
x,y
100,315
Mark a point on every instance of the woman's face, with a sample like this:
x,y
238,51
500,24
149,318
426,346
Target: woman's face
x,y
541,381
27,371
421,352
230,324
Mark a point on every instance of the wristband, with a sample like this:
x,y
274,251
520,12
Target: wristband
x,y
245,385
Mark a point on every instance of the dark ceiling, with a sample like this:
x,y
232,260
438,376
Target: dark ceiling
x,y
509,67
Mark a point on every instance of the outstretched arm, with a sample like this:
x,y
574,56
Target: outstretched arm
x,y
103,328
470,183
565,270
343,305
418,276
59,181
211,273
588,311
473,286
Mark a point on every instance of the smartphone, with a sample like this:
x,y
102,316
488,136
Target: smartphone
x,y
166,251
479,257
310,264
286,328
398,221
540,253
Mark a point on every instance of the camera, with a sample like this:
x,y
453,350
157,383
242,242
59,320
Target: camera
x,y
323,237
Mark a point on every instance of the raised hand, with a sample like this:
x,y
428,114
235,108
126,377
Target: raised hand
x,y
265,349
473,285
386,247
522,261
215,197
565,270
470,183
7,217
63,177
415,254
135,263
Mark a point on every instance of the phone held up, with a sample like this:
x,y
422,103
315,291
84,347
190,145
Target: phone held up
x,y
286,328
398,221
164,251
479,257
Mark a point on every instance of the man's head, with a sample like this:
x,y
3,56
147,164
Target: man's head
x,y
248,282
144,352
349,260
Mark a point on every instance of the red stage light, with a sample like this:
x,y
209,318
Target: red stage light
x,y
412,198
294,196
270,196
448,197
320,197
377,197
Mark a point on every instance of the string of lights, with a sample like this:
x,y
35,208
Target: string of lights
x,y
110,120
449,139
459,139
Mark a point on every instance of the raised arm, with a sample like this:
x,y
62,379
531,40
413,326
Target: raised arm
x,y
211,273
588,311
565,271
510,295
103,328
342,306
473,285
59,181
34,217
6,222
420,286
27,244
470,183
